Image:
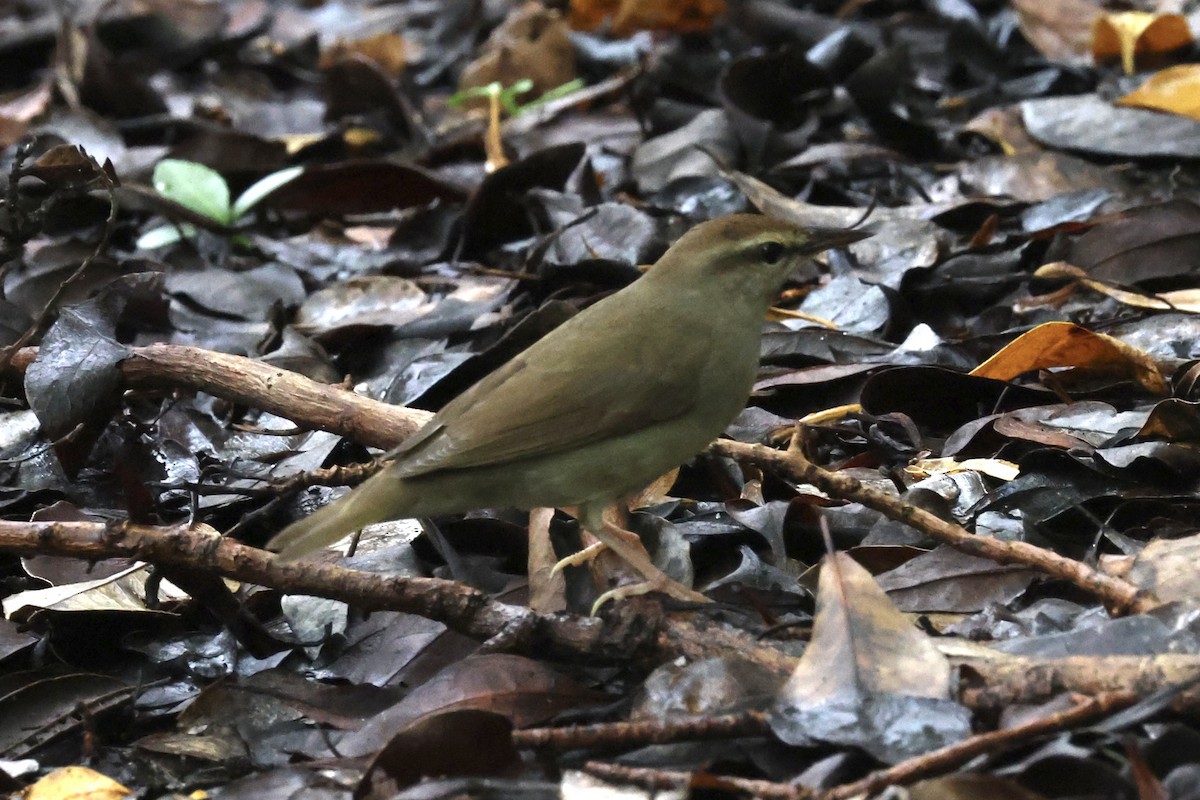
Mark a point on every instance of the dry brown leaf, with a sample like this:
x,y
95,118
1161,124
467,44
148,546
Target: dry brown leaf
x,y
1174,420
1184,300
547,589
1175,89
994,467
532,43
1167,567
1064,344
860,638
1061,30
390,51
630,16
971,786
1130,33
868,673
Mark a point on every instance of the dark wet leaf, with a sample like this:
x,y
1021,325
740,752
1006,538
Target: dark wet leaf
x,y
453,743
1092,125
608,232
1039,177
37,709
773,93
76,379
942,399
705,688
876,87
496,212
681,153
67,165
524,691
946,581
362,187
1142,244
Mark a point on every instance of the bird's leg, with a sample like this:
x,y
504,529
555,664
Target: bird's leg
x,y
579,557
594,549
634,554
627,546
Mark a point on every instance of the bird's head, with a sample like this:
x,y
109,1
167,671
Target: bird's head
x,y
747,255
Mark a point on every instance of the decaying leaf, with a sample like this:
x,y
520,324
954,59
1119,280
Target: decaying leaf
x,y
869,677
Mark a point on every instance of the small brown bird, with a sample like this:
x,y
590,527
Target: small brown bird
x,y
602,405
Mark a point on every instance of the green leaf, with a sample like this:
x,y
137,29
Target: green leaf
x,y
555,93
458,98
194,186
508,97
263,187
163,236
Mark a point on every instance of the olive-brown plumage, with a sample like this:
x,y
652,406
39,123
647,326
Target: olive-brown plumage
x,y
622,392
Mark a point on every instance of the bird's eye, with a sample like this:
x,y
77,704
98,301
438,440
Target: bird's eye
x,y
770,252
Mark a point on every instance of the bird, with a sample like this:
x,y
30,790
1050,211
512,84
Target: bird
x,y
627,389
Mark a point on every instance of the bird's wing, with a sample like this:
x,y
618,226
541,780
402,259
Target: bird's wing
x,y
549,400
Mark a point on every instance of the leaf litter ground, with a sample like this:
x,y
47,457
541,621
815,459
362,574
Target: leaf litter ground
x,y
988,409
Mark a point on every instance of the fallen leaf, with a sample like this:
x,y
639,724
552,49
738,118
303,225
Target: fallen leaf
x,y
1186,300
630,16
1130,33
1064,344
1059,29
1175,90
869,677
390,51
76,783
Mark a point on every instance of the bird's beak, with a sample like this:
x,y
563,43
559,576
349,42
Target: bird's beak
x,y
820,239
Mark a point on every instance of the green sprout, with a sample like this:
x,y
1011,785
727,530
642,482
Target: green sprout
x,y
508,96
203,190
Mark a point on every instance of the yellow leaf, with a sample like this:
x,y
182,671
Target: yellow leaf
x,y
1184,300
1064,344
994,467
1131,32
76,783
1175,89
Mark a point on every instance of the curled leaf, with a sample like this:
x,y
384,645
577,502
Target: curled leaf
x,y
1064,344
1132,32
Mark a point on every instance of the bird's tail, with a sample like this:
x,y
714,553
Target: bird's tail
x,y
380,498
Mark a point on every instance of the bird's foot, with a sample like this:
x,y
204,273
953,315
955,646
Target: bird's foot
x,y
662,583
579,559
590,552
630,549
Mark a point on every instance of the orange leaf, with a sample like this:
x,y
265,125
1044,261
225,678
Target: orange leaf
x,y
1064,344
1175,89
1131,32
629,16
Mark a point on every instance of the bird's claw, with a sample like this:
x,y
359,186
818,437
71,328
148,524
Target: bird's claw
x,y
579,559
662,583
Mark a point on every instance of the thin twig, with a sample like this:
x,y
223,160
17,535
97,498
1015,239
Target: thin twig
x,y
1119,595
